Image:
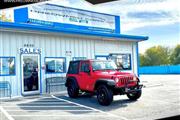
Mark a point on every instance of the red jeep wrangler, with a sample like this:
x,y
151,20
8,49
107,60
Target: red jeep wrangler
x,y
103,78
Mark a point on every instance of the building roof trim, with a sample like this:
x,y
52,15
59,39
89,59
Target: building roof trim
x,y
69,31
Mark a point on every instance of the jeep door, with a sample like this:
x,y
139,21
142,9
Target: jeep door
x,y
85,76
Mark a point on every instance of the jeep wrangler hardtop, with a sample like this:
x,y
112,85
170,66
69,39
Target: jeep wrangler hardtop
x,y
101,77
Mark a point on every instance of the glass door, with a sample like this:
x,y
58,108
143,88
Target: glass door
x,y
30,64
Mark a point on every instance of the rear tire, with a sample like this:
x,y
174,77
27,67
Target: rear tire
x,y
134,96
72,89
104,95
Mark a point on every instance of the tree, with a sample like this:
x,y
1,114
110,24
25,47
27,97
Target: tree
x,y
175,55
157,55
143,60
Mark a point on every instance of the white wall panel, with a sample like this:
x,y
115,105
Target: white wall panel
x,y
104,47
135,59
55,46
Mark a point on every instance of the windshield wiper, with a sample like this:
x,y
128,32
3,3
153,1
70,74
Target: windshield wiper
x,y
109,69
103,69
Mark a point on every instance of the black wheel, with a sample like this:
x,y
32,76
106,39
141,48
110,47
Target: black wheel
x,y
135,95
104,95
72,89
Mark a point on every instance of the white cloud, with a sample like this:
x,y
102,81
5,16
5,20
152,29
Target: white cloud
x,y
166,11
123,7
81,4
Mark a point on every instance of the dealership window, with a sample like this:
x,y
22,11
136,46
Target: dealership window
x,y
7,66
123,61
79,58
55,65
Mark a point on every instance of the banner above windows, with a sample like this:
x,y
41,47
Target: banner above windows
x,y
69,18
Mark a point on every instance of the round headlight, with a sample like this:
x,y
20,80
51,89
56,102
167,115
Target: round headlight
x,y
116,79
135,78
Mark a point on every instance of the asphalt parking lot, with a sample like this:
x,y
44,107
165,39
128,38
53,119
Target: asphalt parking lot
x,y
160,98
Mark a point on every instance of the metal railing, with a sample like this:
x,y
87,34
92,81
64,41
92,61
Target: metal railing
x,y
55,84
5,89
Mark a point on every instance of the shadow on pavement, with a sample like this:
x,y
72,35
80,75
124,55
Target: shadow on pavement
x,y
91,101
177,117
57,106
52,104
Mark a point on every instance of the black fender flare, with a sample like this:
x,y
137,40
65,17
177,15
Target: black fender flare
x,y
108,82
71,79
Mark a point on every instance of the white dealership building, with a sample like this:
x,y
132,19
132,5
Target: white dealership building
x,y
38,41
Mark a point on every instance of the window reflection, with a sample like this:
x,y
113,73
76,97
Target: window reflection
x,y
123,61
7,66
55,65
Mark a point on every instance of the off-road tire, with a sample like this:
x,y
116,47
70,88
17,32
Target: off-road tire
x,y
104,95
134,96
73,90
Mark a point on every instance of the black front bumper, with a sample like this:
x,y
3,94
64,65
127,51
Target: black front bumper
x,y
133,90
126,89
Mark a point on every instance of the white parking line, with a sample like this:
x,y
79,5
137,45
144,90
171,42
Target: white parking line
x,y
95,115
123,118
77,104
94,112
6,113
45,100
30,100
51,103
42,106
53,110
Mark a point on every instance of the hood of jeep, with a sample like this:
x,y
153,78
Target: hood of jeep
x,y
110,74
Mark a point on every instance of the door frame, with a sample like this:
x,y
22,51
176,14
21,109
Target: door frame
x,y
22,75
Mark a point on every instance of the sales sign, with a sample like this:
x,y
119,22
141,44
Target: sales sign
x,y
30,51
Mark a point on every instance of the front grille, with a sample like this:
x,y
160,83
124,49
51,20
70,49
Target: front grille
x,y
125,80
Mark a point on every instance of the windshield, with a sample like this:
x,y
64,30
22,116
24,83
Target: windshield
x,y
104,65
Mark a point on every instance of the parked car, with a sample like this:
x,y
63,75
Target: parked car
x,y
101,77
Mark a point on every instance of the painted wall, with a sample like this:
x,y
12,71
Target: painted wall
x,y
160,70
56,45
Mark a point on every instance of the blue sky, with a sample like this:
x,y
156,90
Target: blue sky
x,y
158,19
165,35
